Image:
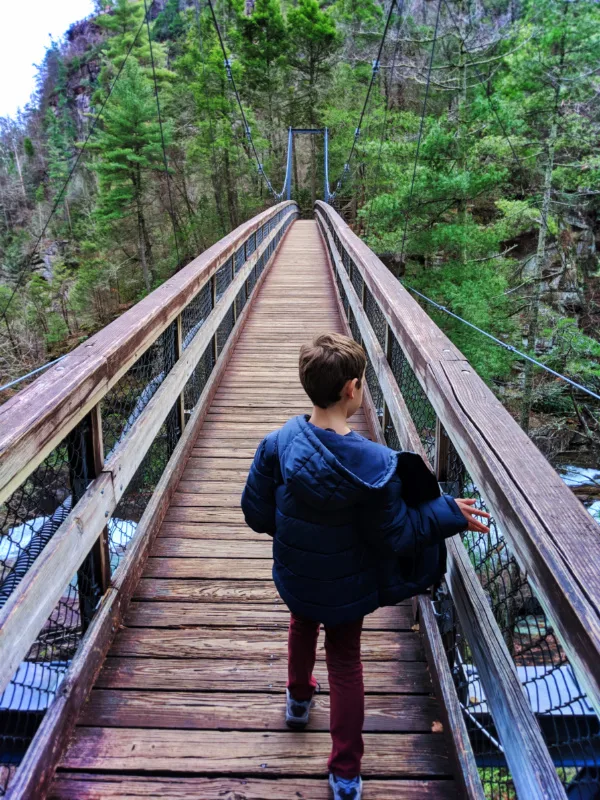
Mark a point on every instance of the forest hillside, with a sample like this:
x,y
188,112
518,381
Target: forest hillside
x,y
474,175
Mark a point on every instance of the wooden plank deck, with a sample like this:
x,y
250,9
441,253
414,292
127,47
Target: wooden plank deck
x,y
190,701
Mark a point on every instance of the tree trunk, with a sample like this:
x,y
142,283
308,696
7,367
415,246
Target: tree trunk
x,y
142,235
231,194
541,244
536,278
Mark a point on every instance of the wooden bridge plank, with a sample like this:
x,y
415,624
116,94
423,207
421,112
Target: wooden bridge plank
x,y
207,531
213,548
242,674
90,786
194,683
248,753
262,711
206,591
214,568
184,513
176,613
250,644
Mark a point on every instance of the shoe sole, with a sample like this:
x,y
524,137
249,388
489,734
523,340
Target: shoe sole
x,y
296,726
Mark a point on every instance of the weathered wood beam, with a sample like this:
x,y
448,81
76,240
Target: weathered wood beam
x,y
37,419
35,773
520,734
33,600
546,527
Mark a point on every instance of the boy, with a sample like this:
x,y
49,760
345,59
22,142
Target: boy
x,y
345,541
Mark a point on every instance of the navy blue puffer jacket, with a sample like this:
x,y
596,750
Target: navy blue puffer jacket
x,y
344,543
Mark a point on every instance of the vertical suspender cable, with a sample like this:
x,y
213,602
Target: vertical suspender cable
x,y
162,135
421,126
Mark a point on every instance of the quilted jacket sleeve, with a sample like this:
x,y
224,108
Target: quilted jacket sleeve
x,y
407,530
258,497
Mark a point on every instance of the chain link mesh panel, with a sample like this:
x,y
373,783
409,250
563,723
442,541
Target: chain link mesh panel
x,y
30,518
195,313
240,258
357,281
125,402
419,407
124,521
224,329
376,318
224,277
569,725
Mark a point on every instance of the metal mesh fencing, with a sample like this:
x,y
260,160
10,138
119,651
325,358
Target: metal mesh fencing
x,y
30,518
569,725
250,245
225,328
240,300
224,276
240,258
197,380
124,403
129,511
195,313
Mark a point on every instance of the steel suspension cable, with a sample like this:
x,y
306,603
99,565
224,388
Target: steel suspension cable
x,y
421,127
210,120
162,135
385,117
247,130
481,79
502,344
63,188
374,72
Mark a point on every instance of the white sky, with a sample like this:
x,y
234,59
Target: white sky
x,y
25,30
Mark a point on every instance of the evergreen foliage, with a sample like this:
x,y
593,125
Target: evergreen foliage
x,y
500,223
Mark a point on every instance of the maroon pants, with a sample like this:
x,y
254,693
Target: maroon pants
x,y
346,688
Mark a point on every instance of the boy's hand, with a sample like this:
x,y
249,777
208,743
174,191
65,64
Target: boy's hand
x,y
467,506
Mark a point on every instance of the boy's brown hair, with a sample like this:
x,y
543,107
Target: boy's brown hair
x,y
327,364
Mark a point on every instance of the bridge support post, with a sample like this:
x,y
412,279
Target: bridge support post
x,y
178,352
86,460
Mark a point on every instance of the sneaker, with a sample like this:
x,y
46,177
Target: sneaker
x,y
297,711
345,788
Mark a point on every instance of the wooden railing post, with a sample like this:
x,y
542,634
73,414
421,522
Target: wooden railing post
x,y
86,460
213,286
178,352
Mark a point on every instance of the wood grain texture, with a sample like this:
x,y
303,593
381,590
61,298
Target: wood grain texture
x,y
242,674
249,753
262,711
88,786
194,684
249,643
206,591
545,524
40,416
175,614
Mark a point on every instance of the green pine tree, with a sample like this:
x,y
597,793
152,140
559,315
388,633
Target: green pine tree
x,y
129,153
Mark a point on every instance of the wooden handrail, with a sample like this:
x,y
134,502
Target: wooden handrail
x,y
35,420
36,595
553,537
527,756
35,773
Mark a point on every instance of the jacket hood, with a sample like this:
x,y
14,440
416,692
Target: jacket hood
x,y
318,477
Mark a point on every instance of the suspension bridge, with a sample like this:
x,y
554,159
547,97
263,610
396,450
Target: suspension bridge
x,y
143,645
